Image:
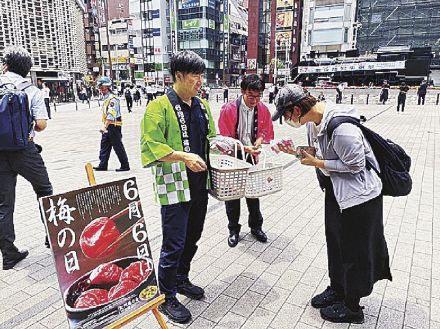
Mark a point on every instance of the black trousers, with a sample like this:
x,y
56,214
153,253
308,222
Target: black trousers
x,y
255,219
47,103
356,247
29,164
182,226
421,99
109,140
401,99
129,103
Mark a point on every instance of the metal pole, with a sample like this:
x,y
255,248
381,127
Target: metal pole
x,y
108,40
117,63
438,96
368,97
351,98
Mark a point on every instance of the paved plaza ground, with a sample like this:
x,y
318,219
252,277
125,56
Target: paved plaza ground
x,y
254,285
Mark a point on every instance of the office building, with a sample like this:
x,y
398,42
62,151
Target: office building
x,y
57,45
329,28
386,23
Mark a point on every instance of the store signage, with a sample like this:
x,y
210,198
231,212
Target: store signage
x,y
361,66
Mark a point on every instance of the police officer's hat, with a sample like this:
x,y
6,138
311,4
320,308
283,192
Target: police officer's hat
x,y
104,81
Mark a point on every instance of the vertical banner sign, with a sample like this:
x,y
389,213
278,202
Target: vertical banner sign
x,y
99,241
173,23
226,35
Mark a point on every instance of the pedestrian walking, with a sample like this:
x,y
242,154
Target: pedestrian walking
x,y
112,128
207,91
401,98
248,120
150,93
421,92
128,94
339,91
46,95
271,93
225,94
25,160
137,97
321,97
356,247
174,134
384,92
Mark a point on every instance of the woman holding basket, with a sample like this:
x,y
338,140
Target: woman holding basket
x,y
248,120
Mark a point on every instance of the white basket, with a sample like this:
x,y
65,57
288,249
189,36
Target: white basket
x,y
228,176
264,179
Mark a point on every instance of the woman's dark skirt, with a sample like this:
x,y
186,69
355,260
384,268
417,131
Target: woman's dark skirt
x,y
356,247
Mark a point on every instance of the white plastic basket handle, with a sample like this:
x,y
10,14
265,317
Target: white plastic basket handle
x,y
262,152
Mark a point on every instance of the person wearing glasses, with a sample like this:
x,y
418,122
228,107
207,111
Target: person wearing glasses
x,y
248,120
356,248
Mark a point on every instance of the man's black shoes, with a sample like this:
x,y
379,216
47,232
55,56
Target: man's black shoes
x,y
233,239
259,235
189,290
123,169
340,313
100,168
327,298
12,256
175,310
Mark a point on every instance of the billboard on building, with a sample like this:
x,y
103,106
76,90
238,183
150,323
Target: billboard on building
x,y
284,19
362,66
284,3
189,24
190,4
283,37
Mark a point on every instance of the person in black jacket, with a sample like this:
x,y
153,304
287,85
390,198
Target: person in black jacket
x,y
401,99
421,92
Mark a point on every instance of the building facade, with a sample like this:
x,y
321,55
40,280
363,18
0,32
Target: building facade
x,y
150,41
56,45
386,23
287,36
237,34
259,52
329,28
198,25
116,47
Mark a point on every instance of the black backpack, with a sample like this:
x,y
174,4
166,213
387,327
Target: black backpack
x,y
393,161
15,117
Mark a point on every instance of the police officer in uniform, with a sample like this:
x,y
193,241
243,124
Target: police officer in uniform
x,y
111,129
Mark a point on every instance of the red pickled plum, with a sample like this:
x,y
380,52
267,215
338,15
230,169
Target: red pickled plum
x,y
91,298
97,236
105,274
137,271
121,289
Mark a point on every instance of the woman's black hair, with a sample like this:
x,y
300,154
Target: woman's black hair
x,y
186,61
18,60
252,82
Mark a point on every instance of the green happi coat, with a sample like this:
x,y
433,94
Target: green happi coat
x,y
160,136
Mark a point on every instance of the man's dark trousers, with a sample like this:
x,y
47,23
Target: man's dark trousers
x,y
421,99
47,103
113,138
28,164
182,226
255,220
129,103
401,99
